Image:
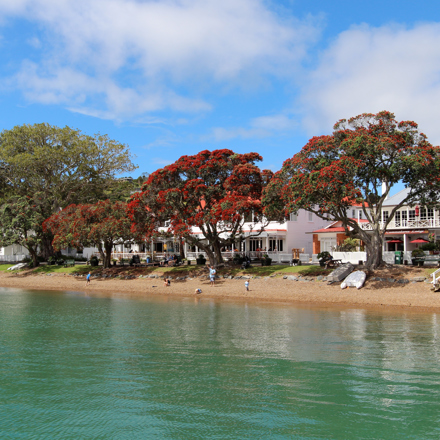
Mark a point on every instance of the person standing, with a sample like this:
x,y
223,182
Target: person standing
x,y
212,273
246,285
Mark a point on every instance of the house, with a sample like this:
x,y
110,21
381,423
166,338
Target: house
x,y
13,253
410,228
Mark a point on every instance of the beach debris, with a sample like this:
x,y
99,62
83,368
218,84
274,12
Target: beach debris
x,y
355,279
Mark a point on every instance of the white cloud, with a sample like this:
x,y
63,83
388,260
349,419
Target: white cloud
x,y
259,127
163,162
92,47
372,69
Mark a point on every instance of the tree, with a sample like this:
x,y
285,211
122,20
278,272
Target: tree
x,y
56,167
360,162
212,191
18,220
102,224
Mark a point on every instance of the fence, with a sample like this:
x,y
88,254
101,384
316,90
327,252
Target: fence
x,y
13,258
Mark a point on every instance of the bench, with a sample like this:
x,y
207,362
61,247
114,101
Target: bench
x,y
428,259
70,262
332,263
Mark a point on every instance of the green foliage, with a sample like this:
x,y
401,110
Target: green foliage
x,y
349,245
324,256
52,167
20,223
416,253
429,246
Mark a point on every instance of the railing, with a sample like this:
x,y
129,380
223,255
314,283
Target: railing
x,y
405,224
435,279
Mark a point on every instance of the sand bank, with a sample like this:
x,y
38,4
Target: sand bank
x,y
388,292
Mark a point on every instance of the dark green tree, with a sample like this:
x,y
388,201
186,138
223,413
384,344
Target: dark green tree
x,y
55,167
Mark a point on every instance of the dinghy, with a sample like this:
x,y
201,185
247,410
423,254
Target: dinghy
x,y
355,279
340,272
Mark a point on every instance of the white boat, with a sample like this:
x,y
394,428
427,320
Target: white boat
x,y
355,279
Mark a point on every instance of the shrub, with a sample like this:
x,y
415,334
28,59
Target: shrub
x,y
324,256
416,253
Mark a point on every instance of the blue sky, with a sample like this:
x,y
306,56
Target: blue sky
x,y
174,77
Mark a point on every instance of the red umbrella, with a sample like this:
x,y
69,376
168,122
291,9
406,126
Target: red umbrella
x,y
395,240
419,240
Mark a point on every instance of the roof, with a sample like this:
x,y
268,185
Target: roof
x,y
335,227
325,230
396,198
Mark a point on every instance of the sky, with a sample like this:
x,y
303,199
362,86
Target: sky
x,y
175,77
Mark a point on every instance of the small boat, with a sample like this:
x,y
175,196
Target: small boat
x,y
355,279
340,272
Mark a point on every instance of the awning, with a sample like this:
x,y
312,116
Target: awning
x,y
407,232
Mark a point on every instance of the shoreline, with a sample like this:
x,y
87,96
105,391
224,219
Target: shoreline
x,y
375,295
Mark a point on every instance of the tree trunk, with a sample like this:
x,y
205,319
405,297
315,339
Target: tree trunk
x,y
218,253
46,248
106,261
374,249
182,249
34,256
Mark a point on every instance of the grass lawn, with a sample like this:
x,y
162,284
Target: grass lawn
x,y
61,269
4,267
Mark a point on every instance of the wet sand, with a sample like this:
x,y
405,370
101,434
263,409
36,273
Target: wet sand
x,y
414,295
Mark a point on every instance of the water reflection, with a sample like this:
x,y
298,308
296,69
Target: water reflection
x,y
196,368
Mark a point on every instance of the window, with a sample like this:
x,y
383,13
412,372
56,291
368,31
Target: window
x,y
353,213
255,243
360,214
385,215
275,245
310,216
293,217
248,217
397,218
412,214
422,213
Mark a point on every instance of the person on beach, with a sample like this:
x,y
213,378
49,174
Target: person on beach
x,y
246,285
212,273
198,291
167,282
88,278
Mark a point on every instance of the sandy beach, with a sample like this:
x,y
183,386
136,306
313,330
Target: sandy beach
x,y
394,288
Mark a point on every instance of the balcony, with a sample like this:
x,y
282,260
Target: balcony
x,y
406,224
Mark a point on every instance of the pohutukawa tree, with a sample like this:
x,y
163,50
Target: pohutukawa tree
x,y
102,225
359,163
213,191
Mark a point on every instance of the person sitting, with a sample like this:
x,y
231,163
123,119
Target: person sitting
x,y
246,262
171,260
167,282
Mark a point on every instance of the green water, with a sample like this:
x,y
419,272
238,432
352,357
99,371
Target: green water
x,y
79,367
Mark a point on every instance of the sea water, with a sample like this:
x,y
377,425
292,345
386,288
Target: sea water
x,y
74,366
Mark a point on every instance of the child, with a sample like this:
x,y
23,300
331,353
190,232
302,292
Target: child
x,y
88,278
212,275
167,282
198,291
246,284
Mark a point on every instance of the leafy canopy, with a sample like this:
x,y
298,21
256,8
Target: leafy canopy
x,y
358,164
212,190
